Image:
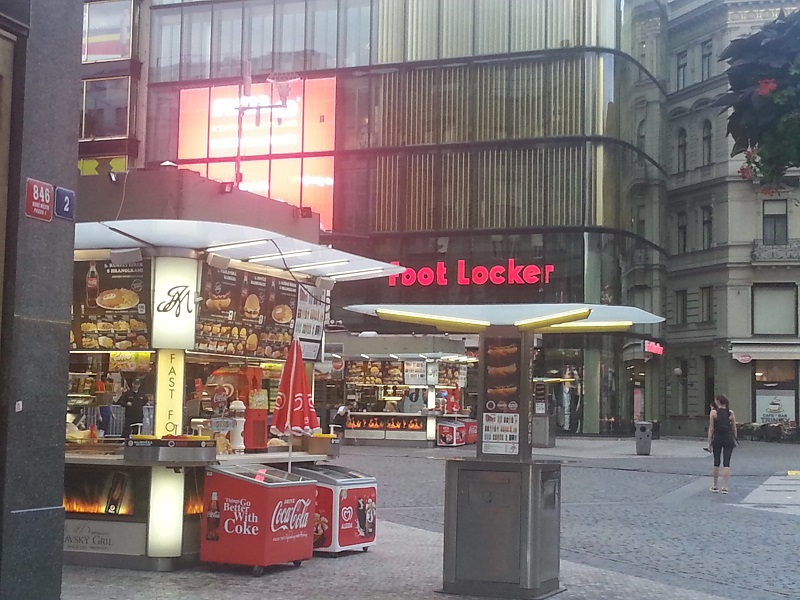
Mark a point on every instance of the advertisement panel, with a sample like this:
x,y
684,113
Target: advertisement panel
x,y
501,409
775,406
249,523
245,314
111,306
310,320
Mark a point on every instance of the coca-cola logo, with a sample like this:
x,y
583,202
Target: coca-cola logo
x,y
347,513
290,514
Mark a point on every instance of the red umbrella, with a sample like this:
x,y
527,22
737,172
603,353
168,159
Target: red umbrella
x,y
294,409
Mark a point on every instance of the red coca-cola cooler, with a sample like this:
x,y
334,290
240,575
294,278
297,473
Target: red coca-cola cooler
x,y
346,508
471,435
257,516
450,433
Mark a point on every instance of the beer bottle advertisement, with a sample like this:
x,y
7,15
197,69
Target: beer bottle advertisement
x,y
104,492
111,306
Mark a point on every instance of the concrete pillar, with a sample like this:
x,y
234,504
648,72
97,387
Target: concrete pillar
x,y
591,391
42,78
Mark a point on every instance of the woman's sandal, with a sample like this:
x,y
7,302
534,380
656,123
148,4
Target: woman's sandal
x,y
714,489
724,490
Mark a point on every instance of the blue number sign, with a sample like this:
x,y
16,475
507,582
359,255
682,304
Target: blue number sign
x,y
65,203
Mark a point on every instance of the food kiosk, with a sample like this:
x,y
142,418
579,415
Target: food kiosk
x,y
170,314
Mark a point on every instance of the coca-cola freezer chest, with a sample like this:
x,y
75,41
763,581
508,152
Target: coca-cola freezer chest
x,y
346,508
257,516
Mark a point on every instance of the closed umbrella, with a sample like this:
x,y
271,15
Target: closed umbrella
x,y
294,410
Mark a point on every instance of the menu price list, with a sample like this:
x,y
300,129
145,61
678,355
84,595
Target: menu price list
x,y
374,372
309,320
111,306
500,433
245,314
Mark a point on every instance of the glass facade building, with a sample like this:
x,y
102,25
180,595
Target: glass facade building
x,y
442,130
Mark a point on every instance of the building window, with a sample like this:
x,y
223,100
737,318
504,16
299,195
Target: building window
x,y
321,34
682,232
775,309
680,70
641,140
107,30
706,304
776,226
104,108
226,41
354,33
708,227
681,150
680,307
706,52
707,136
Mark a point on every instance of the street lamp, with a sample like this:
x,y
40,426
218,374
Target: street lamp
x,y
279,81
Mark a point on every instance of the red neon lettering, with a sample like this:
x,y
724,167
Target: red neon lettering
x,y
393,278
547,270
462,280
441,273
425,276
531,274
496,275
514,272
409,277
480,275
511,274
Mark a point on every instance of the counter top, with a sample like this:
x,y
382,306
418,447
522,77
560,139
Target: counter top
x,y
78,458
353,415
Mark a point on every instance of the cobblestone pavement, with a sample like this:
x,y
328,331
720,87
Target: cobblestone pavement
x,y
632,527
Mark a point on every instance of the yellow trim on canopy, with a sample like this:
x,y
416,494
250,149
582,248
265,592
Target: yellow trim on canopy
x,y
440,322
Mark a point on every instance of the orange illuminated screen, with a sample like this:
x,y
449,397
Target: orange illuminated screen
x,y
208,128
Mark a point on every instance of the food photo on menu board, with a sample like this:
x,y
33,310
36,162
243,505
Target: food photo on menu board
x,y
245,314
111,306
502,375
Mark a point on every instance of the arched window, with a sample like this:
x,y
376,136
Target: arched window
x,y
707,134
681,151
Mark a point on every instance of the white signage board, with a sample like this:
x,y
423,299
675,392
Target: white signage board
x,y
174,302
414,372
105,537
500,433
774,406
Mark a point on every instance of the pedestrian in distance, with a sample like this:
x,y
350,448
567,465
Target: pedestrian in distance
x,y
340,420
721,440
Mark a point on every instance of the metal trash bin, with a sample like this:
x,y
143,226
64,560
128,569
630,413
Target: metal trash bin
x,y
644,437
502,528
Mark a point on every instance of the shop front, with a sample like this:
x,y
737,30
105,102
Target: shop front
x,y
769,370
173,321
399,388
555,267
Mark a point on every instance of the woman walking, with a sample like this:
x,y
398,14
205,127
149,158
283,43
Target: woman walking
x,y
721,440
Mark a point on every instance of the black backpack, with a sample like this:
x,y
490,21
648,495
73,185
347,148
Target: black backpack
x,y
722,424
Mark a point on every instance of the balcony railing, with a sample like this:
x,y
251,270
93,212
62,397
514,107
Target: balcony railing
x,y
766,252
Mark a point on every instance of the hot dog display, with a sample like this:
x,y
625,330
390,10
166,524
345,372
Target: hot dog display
x,y
502,371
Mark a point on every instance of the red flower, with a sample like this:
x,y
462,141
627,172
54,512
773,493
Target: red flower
x,y
745,172
765,86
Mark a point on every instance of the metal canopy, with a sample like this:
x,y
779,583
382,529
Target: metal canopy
x,y
476,317
235,242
